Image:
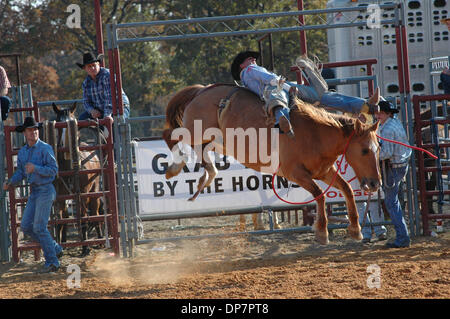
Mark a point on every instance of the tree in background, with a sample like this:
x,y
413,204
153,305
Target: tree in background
x,y
151,72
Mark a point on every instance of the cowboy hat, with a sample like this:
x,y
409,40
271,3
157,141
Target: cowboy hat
x,y
445,20
27,123
88,58
241,57
387,107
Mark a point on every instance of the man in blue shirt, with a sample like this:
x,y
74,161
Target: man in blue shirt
x,y
394,158
97,99
274,90
36,162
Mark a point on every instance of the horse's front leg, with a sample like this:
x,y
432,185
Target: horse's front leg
x,y
304,179
354,229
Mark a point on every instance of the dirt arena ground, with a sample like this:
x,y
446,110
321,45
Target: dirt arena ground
x,y
283,265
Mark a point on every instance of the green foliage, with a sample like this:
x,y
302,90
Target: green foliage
x,y
151,71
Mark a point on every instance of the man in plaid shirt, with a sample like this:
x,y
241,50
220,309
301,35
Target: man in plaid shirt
x,y
97,99
4,100
394,159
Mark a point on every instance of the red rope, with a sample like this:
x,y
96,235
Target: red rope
x,y
323,193
410,146
339,168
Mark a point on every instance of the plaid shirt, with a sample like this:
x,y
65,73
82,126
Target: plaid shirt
x,y
97,94
4,82
393,129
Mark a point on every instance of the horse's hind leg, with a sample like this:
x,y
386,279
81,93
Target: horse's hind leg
x,y
354,229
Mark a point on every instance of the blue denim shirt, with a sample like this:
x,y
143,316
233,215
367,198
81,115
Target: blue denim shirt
x,y
256,78
97,94
45,166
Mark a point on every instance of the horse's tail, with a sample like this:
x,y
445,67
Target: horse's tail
x,y
177,104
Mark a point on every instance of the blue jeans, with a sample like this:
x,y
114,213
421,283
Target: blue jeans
x,y
5,103
86,115
279,112
373,216
35,219
340,102
391,184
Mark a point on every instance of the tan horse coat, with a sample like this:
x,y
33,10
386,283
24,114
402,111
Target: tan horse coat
x,y
320,137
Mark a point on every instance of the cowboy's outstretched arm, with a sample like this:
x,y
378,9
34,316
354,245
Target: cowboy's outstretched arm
x,y
260,74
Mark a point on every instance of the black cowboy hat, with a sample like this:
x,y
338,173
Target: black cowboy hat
x,y
387,107
241,57
28,122
88,58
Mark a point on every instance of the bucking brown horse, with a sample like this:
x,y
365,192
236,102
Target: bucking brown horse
x,y
203,116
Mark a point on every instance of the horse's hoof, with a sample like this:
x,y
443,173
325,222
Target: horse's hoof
x,y
322,238
277,226
169,175
259,228
355,232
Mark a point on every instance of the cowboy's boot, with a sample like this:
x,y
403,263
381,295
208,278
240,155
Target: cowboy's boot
x,y
371,106
313,74
283,122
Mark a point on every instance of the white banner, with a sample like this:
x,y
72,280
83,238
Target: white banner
x,y
234,186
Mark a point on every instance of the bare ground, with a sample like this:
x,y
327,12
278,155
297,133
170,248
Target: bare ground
x,y
282,265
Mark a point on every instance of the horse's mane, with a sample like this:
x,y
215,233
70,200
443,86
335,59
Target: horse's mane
x,y
322,117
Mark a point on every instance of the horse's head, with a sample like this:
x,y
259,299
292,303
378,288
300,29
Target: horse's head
x,y
362,155
63,115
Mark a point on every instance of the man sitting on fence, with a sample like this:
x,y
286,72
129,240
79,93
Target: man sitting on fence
x,y
97,99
